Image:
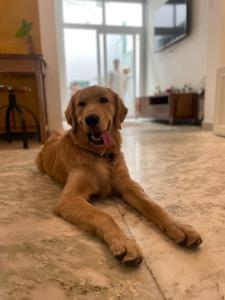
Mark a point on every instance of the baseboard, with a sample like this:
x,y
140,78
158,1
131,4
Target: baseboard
x,y
207,126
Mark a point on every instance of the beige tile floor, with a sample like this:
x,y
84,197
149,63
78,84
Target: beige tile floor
x,y
43,257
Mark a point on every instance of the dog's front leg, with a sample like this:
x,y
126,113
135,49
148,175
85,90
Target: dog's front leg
x,y
134,194
74,207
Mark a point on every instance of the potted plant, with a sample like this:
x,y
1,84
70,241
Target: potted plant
x,y
24,32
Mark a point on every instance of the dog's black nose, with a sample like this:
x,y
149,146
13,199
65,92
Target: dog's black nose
x,y
92,120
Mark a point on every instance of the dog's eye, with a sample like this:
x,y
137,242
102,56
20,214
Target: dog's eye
x,y
81,103
104,100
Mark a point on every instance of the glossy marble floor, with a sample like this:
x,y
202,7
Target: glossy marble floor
x,y
43,257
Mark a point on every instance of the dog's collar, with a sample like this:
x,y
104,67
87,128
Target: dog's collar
x,y
109,155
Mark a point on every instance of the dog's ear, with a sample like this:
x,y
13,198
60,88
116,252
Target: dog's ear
x,y
121,111
70,113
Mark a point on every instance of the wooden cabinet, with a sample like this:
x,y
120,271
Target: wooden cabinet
x,y
170,107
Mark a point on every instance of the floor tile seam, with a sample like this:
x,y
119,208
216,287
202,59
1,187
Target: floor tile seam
x,y
145,261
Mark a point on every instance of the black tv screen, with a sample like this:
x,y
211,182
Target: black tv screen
x,y
172,22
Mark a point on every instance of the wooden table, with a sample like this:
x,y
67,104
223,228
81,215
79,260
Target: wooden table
x,y
170,107
33,64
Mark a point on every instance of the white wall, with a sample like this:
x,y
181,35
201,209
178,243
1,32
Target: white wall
x,y
216,54
47,15
184,62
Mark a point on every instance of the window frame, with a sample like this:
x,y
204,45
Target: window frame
x,y
104,14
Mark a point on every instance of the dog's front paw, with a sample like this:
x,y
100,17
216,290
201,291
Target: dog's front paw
x,y
183,234
127,251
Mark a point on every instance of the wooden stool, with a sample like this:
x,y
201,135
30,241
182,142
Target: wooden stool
x,y
13,107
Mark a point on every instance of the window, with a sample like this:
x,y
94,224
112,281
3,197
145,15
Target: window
x,y
81,57
83,12
123,13
91,12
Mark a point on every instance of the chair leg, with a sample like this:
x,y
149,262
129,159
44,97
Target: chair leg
x,y
7,125
35,119
13,118
23,126
3,107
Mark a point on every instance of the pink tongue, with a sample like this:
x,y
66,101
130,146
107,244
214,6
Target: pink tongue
x,y
107,139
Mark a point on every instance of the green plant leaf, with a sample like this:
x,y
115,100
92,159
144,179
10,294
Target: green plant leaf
x,y
24,29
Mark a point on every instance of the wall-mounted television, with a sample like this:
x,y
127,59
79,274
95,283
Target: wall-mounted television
x,y
172,23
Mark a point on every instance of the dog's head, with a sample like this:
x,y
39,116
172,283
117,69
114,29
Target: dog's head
x,y
97,113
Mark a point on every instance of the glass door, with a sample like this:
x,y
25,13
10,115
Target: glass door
x,y
120,67
106,59
102,45
81,58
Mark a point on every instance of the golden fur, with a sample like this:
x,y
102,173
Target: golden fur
x,y
86,169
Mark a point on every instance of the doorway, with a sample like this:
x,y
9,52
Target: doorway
x,y
96,33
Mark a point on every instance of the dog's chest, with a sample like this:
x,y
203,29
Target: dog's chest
x,y
103,173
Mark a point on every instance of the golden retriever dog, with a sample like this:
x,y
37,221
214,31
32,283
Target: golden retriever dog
x,y
87,160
